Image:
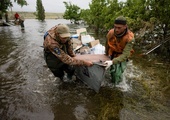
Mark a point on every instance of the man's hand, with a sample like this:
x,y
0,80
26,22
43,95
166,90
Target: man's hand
x,y
109,63
88,63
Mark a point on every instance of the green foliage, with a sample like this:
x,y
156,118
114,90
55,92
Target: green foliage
x,y
5,4
72,12
95,16
160,10
21,2
110,13
85,15
101,14
40,13
142,15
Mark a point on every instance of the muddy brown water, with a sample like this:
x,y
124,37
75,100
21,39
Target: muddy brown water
x,y
29,91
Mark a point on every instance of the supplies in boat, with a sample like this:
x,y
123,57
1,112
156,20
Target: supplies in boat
x,y
87,48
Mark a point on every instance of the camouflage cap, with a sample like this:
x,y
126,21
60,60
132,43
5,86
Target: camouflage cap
x,y
63,30
120,20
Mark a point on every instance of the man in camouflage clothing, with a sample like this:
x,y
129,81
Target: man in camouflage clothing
x,y
58,52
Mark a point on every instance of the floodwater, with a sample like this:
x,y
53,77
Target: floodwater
x,y
29,91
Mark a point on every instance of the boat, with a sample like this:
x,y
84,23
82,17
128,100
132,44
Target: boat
x,y
94,75
87,48
3,23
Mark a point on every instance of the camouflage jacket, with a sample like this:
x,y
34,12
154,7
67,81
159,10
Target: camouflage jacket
x,y
63,52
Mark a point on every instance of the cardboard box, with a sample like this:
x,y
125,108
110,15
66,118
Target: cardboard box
x,y
84,50
75,43
81,31
86,39
93,43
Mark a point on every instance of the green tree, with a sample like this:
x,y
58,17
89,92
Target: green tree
x,y
136,11
40,13
72,12
85,15
5,4
21,2
110,12
142,15
101,14
96,9
160,11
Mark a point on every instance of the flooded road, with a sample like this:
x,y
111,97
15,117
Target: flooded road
x,y
29,91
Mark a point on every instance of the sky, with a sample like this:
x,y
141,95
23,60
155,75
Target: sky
x,y
51,5
56,6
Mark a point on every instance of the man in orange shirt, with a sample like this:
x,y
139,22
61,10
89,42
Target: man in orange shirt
x,y
119,44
